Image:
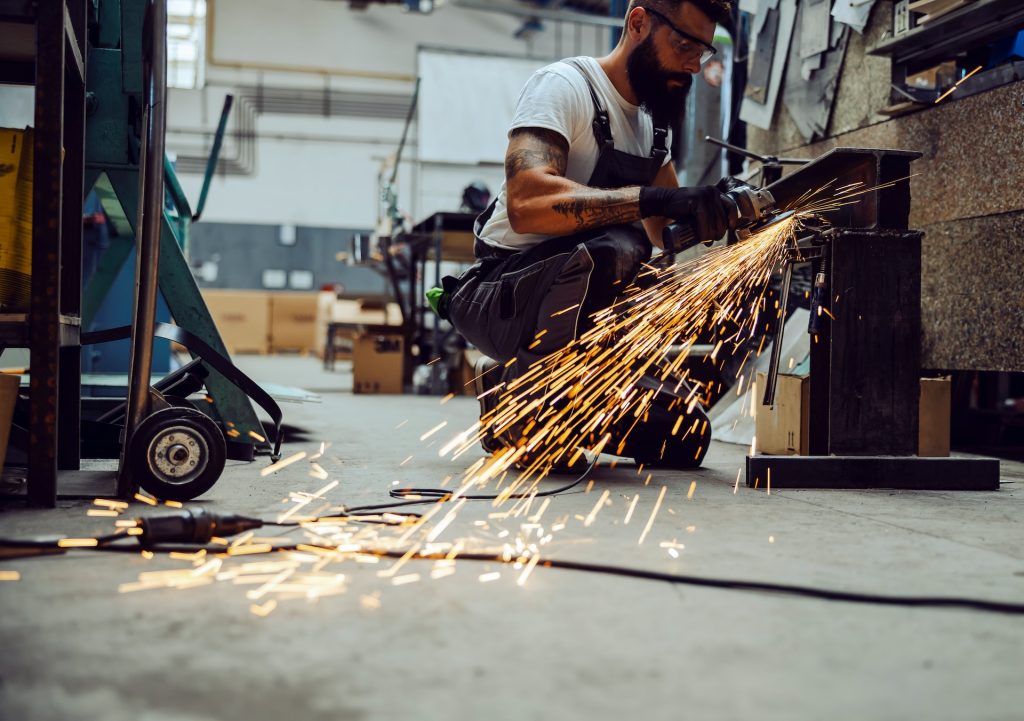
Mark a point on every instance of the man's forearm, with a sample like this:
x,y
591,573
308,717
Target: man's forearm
x,y
572,207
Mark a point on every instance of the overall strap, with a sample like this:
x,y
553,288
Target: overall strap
x,y
660,149
601,124
603,127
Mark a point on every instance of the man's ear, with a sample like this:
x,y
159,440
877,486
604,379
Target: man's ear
x,y
638,24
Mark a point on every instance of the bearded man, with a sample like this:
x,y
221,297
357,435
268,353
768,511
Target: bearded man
x,y
589,186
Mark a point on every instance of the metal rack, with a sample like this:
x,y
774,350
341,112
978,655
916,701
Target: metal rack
x,y
444,236
51,329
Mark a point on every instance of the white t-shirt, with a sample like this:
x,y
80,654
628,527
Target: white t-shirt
x,y
556,98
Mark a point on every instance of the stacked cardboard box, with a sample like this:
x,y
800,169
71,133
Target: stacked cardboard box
x,y
331,309
293,322
242,317
16,173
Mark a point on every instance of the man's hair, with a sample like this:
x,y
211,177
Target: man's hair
x,y
718,10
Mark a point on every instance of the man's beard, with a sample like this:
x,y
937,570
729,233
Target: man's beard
x,y
650,82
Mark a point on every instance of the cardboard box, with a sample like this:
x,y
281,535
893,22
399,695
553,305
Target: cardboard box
x,y
934,410
377,362
15,266
242,317
783,429
293,319
11,144
465,384
9,384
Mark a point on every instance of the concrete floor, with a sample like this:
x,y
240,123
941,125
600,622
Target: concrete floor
x,y
566,645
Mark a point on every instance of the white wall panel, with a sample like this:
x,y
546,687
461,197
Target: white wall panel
x,y
323,172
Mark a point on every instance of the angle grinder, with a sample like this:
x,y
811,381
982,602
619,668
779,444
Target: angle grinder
x,y
748,209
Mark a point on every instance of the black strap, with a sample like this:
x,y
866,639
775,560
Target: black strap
x,y
603,127
601,123
660,148
212,358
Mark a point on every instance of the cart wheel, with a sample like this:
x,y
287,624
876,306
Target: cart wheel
x,y
177,454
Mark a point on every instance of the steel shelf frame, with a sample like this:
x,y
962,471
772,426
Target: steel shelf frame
x,y
51,327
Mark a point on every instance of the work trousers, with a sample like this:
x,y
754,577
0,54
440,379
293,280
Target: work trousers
x,y
529,304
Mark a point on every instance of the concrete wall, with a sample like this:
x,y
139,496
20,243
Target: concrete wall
x,y
968,197
323,171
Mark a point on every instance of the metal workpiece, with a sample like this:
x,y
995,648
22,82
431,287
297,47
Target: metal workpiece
x,y
882,208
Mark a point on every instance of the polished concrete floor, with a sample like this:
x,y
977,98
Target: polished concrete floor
x,y
566,644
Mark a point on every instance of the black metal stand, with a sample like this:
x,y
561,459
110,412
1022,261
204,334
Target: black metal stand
x,y
863,472
865,356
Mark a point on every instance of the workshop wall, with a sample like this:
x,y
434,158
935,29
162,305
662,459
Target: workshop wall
x,y
224,252
967,197
306,167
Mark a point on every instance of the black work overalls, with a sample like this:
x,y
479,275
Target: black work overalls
x,y
507,298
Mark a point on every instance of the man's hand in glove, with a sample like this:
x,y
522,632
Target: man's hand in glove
x,y
703,207
729,183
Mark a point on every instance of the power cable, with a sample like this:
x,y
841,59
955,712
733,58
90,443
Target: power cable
x,y
787,589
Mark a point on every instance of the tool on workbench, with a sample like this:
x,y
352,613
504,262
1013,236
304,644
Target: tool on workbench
x,y
771,165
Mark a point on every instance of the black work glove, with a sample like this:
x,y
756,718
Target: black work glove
x,y
703,207
730,183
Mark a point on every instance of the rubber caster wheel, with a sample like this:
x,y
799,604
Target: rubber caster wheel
x,y
177,454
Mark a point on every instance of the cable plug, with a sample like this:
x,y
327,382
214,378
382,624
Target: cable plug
x,y
193,525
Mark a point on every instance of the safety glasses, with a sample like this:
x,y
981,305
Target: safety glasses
x,y
686,44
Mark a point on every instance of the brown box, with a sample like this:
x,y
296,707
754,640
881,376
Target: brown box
x,y
9,384
293,319
11,143
377,359
465,383
242,317
782,429
934,409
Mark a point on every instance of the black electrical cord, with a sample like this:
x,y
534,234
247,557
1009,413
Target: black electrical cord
x,y
55,543
442,494
434,495
195,524
786,589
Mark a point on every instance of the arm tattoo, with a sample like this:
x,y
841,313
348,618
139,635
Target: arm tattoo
x,y
536,148
597,208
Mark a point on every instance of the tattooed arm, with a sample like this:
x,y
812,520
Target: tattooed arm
x,y
542,200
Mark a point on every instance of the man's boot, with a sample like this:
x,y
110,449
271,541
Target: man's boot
x,y
486,379
668,436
